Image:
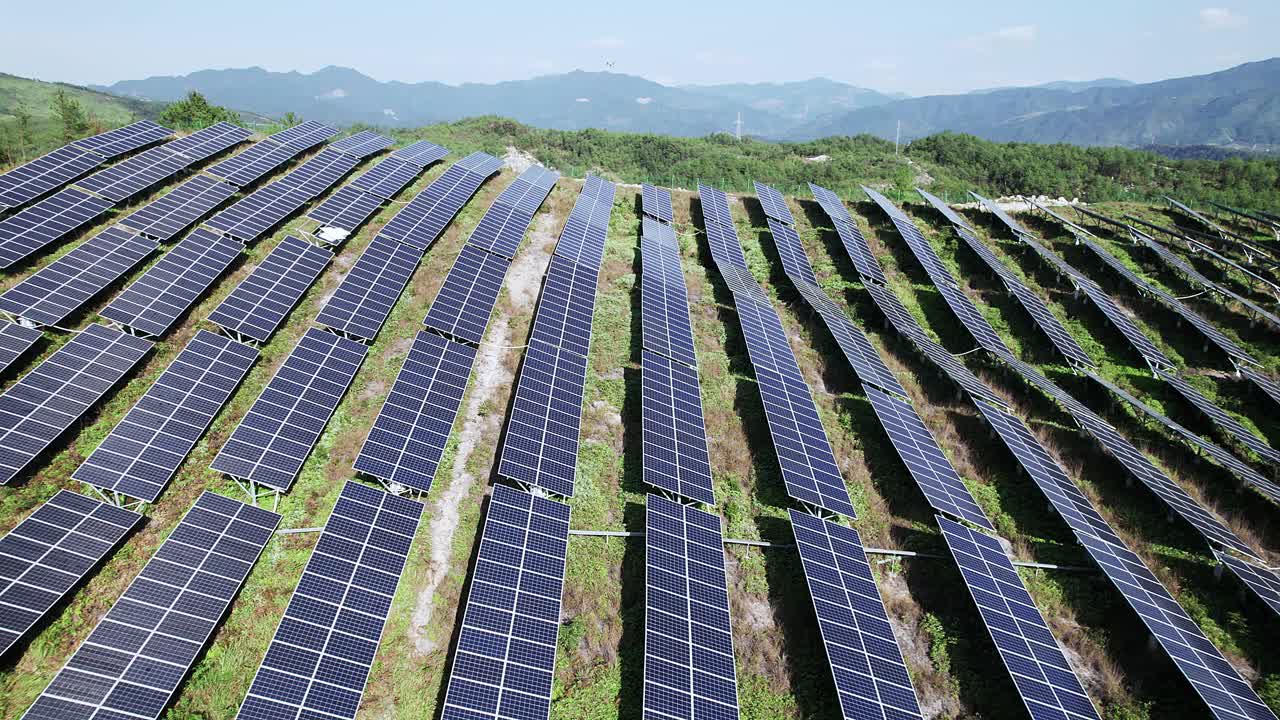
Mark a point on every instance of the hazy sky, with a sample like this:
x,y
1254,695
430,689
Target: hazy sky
x,y
920,47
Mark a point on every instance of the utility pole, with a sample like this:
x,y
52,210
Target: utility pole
x,y
738,126
897,139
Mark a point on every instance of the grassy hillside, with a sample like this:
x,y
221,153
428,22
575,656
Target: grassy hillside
x,y
44,133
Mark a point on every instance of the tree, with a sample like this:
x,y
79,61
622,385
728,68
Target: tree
x,y
23,122
290,119
70,113
194,112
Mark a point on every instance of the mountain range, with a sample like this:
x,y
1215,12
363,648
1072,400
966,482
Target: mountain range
x,y
1234,108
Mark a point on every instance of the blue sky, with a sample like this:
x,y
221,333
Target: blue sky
x,y
920,47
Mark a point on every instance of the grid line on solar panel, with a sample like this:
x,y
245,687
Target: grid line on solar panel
x,y
48,554
1001,215
1063,494
422,220
46,222
15,341
387,178
926,462
1213,678
656,202
654,230
130,177
303,136
177,210
257,160
366,295
142,453
1263,382
1263,582
809,468
1177,263
870,676
529,189
27,182
482,165
254,214
857,348
774,205
274,438
541,445
715,205
674,435
124,139
664,303
1045,680
362,144
421,153
155,301
207,142
64,286
859,251
742,283
972,318
1233,464
260,303
831,204
346,209
581,242
319,173
1220,417
945,210
505,656
138,654
57,392
689,667
470,291
567,305
795,263
319,660
503,226
409,436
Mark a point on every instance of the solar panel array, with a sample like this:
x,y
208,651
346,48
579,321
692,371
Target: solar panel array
x,y
1251,250
1197,246
503,226
775,206
656,203
263,157
346,209
504,660
274,438
688,637
856,346
362,144
1263,382
319,660
15,341
1172,260
260,303
207,142
664,302
470,291
58,392
1263,582
47,222
421,153
29,181
364,298
674,434
1232,426
137,656
62,287
421,221
1045,680
49,553
795,263
125,139
541,445
870,676
153,303
142,453
855,244
180,208
130,177
408,438
386,179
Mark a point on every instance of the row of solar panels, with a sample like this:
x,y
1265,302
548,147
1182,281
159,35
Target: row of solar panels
x,y
1223,690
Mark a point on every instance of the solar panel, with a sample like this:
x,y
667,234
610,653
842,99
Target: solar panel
x,y
566,307
541,445
481,165
594,185
808,465
46,222
664,303
1219,417
124,139
1063,494
1264,383
319,173
1233,464
134,660
63,286
466,300
421,153
742,283
675,439
366,295
27,182
855,345
319,660
972,319
132,176
1212,677
715,206
952,216
527,191
926,462
795,263
254,215
864,260
654,230
48,554
387,178
501,230
411,431
1045,680
1177,263
831,204
58,392
656,202
1263,582
346,209
175,211
270,444
244,168
15,341
425,217
155,301
775,206
688,636
142,453
260,303
582,243
303,136
870,676
207,142
916,241
504,662
1001,215
362,144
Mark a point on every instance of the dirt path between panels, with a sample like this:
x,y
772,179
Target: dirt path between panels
x,y
492,374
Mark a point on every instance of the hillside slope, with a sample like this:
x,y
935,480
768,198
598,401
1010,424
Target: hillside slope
x,y
17,95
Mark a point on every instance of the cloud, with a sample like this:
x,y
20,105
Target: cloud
x,y
989,42
606,42
583,100
334,94
644,100
1217,18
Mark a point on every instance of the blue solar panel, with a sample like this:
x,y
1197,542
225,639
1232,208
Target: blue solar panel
x,y
795,263
1261,581
856,346
15,341
664,302
654,230
675,438
421,153
831,204
346,210
366,295
947,212
566,307
124,139
1229,424
130,177
254,215
541,445
319,173
425,217
656,202
180,208
48,221
582,242
207,142
688,636
470,291
775,206
25,183
261,302
362,144
303,136
244,168
386,179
